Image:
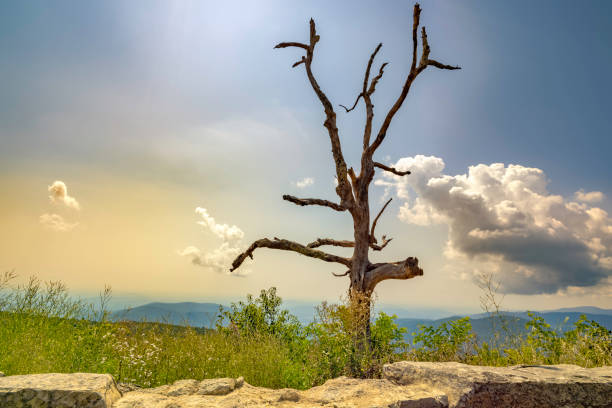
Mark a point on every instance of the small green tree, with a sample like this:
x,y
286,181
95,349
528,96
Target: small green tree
x,y
447,342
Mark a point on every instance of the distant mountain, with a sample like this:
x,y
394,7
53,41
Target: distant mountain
x,y
583,309
191,313
205,315
484,325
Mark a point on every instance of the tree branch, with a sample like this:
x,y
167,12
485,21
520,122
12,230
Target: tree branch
x,y
286,245
391,169
425,61
379,272
381,71
414,72
354,105
328,241
339,275
291,44
343,189
372,237
347,244
313,201
366,79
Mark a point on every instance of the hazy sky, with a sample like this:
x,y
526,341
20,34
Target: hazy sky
x,y
144,143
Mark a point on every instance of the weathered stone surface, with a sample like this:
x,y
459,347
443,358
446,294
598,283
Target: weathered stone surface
x,y
217,386
289,395
58,391
406,385
340,393
517,386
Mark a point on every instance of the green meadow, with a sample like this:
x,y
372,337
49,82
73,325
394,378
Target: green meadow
x,y
44,329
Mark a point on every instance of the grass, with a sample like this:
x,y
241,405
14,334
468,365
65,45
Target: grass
x,y
42,329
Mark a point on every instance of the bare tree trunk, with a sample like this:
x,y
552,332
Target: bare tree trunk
x,y
352,189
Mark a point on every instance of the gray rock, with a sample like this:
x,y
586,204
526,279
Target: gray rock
x,y
58,391
517,386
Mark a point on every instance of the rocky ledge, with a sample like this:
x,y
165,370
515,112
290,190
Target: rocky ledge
x,y
405,384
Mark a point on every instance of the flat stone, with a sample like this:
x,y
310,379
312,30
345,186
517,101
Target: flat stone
x,y
341,392
58,391
517,386
217,386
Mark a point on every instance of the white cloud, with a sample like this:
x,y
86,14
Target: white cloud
x,y
56,222
503,218
59,195
223,231
305,182
219,259
590,197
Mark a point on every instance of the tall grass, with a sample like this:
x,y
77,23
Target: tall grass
x,y
42,329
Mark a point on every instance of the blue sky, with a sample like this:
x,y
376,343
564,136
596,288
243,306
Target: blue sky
x,y
147,110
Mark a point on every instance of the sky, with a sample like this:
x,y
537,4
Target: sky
x,y
144,144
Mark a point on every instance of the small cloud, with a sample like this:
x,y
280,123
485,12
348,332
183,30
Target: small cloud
x,y
590,197
305,182
219,259
56,222
59,195
223,231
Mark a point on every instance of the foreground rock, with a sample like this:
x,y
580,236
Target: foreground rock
x,y
406,385
58,390
339,392
518,386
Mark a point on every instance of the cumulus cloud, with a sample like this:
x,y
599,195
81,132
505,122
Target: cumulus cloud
x,y
590,197
220,258
223,231
59,195
56,222
305,182
503,219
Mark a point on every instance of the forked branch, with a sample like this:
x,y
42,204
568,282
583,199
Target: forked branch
x,y
414,72
286,245
344,189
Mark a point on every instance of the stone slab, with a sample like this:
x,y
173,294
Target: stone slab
x,y
58,391
523,386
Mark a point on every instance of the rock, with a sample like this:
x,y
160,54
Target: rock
x,y
517,386
127,387
340,392
217,386
1,374
406,385
289,395
58,391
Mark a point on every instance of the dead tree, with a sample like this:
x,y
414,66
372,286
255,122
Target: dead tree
x,y
353,189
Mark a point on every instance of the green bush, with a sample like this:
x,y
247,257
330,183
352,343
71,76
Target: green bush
x,y
450,341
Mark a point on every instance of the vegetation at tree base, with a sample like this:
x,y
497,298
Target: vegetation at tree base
x,y
43,330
